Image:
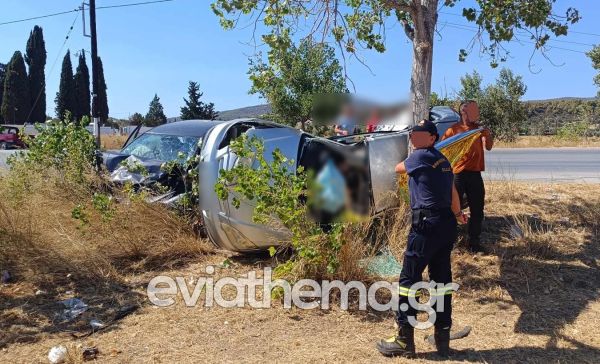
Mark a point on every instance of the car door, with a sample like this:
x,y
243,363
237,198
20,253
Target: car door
x,y
230,227
385,151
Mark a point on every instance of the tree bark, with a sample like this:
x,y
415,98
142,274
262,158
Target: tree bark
x,y
424,19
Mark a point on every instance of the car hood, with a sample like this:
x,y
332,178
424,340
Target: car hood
x,y
150,168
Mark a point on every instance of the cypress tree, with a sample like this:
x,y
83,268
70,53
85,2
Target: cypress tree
x,y
2,76
156,114
35,56
82,88
65,97
102,97
15,99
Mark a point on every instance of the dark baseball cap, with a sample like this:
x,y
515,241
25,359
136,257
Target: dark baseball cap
x,y
426,125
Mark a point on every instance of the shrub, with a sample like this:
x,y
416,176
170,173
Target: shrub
x,y
64,146
281,192
573,130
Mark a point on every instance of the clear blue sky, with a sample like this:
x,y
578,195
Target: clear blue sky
x,y
158,48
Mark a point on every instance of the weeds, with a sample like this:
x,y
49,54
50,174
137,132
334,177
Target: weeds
x,y
60,215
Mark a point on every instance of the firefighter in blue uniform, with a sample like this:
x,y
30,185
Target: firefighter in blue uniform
x,y
435,211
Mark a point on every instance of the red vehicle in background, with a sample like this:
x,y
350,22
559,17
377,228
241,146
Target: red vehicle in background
x,y
9,138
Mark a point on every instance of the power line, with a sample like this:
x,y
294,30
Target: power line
x,y
463,27
39,17
133,4
570,31
79,9
471,27
37,99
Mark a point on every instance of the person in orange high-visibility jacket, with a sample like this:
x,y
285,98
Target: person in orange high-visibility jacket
x,y
467,170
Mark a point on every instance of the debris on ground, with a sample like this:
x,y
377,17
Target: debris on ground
x,y
90,353
383,264
96,325
6,277
516,232
73,308
57,354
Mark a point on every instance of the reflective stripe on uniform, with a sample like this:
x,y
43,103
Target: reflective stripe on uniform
x,y
403,291
441,291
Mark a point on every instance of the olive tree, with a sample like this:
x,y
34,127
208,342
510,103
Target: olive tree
x,y
355,24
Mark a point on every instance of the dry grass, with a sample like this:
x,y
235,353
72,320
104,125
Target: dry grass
x,y
45,249
113,142
548,141
533,298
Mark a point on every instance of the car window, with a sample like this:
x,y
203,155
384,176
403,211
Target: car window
x,y
162,147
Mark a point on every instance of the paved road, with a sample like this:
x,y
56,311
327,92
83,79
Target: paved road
x,y
544,164
534,164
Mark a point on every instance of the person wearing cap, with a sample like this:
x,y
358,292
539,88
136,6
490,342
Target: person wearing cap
x,y
435,208
468,169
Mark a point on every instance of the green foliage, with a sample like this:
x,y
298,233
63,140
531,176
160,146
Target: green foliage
x,y
573,130
196,109
548,117
594,55
277,190
2,77
471,86
64,146
503,20
136,119
500,103
15,99
436,100
103,203
185,169
156,115
294,77
79,213
354,24
65,97
82,89
102,98
35,56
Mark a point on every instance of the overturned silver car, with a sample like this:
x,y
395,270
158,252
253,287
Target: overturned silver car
x,y
369,161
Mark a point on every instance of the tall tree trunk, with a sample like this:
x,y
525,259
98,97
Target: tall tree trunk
x,y
424,19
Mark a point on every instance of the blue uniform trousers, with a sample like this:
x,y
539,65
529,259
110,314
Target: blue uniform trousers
x,y
430,243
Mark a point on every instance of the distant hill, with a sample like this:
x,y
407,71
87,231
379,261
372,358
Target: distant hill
x,y
245,112
565,99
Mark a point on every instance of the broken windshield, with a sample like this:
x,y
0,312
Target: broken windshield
x,y
163,147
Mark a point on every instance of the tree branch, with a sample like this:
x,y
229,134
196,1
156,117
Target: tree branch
x,y
400,6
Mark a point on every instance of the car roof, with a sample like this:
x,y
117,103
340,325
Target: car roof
x,y
9,127
196,128
444,112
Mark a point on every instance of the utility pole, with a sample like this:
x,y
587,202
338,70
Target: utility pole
x,y
95,117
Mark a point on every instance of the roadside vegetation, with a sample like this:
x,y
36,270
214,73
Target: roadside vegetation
x,y
531,296
65,232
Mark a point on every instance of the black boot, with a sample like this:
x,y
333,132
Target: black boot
x,y
475,245
401,345
442,341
